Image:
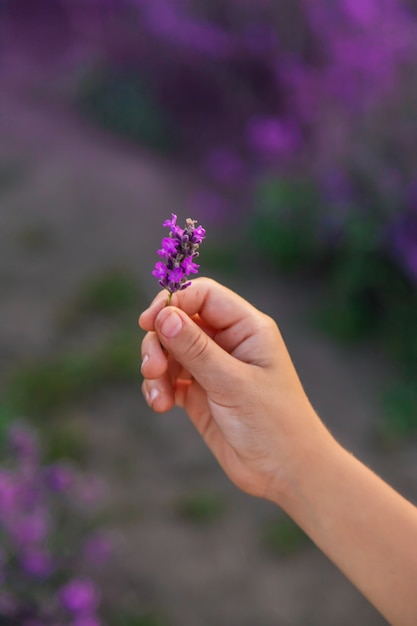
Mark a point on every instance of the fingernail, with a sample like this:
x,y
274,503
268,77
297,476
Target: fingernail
x,y
144,360
153,394
171,325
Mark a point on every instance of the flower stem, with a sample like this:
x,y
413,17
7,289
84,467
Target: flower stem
x,y
169,298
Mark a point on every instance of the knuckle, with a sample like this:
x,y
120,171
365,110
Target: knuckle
x,y
197,349
265,324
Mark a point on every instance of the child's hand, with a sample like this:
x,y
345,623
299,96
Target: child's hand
x,y
226,364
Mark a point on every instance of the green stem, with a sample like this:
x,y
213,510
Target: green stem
x,y
169,298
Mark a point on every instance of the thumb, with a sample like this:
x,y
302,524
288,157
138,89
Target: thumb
x,y
207,362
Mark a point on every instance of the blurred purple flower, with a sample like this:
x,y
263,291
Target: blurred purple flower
x,y
363,12
179,251
37,563
260,38
30,528
24,443
80,597
167,21
59,477
404,239
8,493
272,137
97,549
28,508
224,166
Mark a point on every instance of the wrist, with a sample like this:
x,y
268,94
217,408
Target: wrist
x,y
310,459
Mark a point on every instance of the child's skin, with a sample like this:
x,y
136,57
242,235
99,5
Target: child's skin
x,y
226,364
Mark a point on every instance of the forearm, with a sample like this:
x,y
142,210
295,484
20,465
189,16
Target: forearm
x,y
366,528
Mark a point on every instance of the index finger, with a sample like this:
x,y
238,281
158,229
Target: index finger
x,y
218,306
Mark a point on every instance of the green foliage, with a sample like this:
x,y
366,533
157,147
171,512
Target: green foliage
x,y
400,412
283,228
355,276
44,386
200,508
398,318
64,439
283,538
6,416
369,295
117,359
221,258
346,322
121,103
110,293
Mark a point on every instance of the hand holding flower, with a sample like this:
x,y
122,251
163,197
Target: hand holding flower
x,y
225,362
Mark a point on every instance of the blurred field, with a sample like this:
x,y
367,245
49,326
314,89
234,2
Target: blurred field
x,y
80,223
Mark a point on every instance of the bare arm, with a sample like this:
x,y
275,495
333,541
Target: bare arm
x,y
365,527
226,364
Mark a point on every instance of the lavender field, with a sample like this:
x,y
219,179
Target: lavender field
x,y
288,130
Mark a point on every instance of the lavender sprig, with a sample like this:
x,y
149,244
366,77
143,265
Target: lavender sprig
x,y
178,251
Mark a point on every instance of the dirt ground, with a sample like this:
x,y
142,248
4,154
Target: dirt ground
x,y
104,203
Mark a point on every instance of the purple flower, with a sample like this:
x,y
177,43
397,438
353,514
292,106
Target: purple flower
x,y
59,478
31,529
79,597
36,549
179,250
169,247
404,238
363,12
272,137
8,493
189,266
176,275
160,270
24,443
37,564
172,224
199,234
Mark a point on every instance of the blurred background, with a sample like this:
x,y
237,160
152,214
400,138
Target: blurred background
x,y
288,129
